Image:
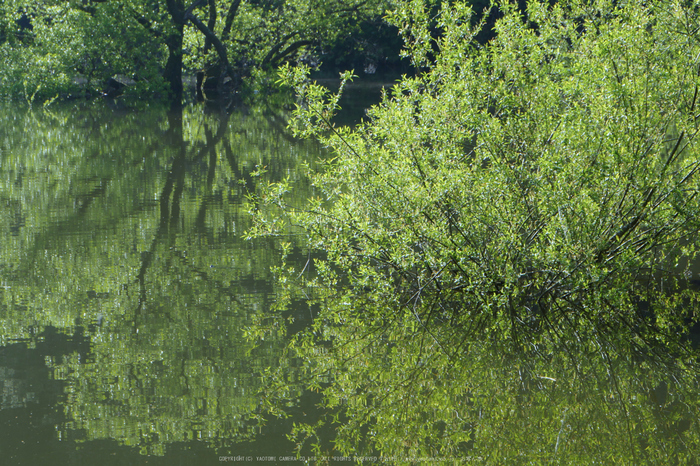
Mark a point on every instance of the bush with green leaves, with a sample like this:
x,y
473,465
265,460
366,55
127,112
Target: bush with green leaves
x,y
538,193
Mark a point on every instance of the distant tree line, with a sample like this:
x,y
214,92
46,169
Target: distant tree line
x,y
50,48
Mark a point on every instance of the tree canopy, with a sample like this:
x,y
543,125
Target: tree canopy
x,y
535,197
50,48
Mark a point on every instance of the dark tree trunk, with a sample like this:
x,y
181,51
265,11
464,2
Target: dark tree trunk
x,y
173,67
211,24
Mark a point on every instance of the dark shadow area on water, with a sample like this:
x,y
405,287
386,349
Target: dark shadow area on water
x,y
31,412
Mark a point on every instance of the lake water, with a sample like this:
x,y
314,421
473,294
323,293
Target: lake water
x,y
126,283
127,287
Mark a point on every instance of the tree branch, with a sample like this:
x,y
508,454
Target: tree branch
x,y
230,16
146,24
175,10
276,48
289,50
188,12
216,42
211,24
274,55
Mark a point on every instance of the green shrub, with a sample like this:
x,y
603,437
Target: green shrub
x,y
537,197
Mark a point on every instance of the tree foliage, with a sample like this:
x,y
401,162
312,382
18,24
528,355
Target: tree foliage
x,y
77,46
72,50
536,195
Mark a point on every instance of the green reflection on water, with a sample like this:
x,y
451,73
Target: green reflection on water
x,y
129,226
581,395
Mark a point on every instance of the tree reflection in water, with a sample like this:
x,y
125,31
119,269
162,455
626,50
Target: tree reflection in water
x,y
128,225
585,394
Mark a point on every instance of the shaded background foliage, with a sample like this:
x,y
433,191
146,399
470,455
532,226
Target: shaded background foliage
x,y
64,49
